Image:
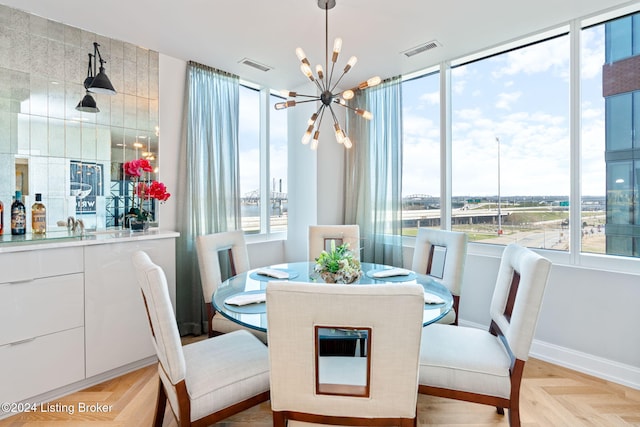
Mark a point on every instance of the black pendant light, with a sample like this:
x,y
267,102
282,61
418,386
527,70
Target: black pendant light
x,y
100,82
88,104
96,83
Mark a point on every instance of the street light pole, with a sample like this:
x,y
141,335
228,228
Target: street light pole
x,y
499,200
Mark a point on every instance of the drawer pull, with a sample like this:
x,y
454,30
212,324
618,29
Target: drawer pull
x,y
23,341
17,282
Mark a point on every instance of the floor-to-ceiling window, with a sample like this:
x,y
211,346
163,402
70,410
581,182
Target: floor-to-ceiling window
x,y
511,147
278,215
263,162
544,138
421,153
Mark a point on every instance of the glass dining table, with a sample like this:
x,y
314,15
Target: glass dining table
x,y
251,285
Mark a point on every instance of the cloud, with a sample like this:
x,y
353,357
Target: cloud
x,y
538,58
506,99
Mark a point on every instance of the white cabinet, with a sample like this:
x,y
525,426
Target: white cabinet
x,y
71,312
116,325
42,318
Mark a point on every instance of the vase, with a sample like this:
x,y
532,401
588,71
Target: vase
x,y
136,224
340,276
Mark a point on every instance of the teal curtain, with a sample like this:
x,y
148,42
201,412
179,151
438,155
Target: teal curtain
x,y
373,176
209,190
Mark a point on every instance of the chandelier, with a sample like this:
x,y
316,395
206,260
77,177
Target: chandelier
x,y
327,88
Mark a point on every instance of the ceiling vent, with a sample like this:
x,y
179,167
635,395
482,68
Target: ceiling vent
x,y
422,48
254,64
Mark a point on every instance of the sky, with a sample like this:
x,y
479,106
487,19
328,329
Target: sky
x,y
521,98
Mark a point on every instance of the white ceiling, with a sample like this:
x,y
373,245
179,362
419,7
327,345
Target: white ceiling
x,y
221,33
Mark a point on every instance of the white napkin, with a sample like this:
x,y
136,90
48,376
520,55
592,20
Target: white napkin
x,y
244,299
392,272
430,298
272,272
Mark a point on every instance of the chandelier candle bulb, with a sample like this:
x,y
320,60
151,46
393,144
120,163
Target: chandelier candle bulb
x,y
337,47
319,72
301,56
352,61
314,142
307,135
306,70
347,142
348,94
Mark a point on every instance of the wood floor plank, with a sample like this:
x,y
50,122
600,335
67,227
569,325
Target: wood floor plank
x,y
550,396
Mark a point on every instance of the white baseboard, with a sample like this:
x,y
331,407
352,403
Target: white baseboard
x,y
598,367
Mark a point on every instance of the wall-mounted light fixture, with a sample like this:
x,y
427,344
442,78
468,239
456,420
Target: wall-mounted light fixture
x,y
95,82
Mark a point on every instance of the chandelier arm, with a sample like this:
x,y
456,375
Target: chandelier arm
x,y
345,105
333,114
319,121
307,100
338,81
320,88
307,96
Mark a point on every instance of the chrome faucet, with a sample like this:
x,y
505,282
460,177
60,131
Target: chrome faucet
x,y
75,225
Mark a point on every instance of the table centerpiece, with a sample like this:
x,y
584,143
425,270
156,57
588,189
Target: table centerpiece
x,y
339,265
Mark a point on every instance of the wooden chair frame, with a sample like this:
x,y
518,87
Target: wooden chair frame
x,y
515,371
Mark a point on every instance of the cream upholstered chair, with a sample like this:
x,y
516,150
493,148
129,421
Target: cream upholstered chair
x,y
209,248
320,237
208,380
441,254
486,366
308,387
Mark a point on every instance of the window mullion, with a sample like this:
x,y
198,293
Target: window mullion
x,y
265,188
575,202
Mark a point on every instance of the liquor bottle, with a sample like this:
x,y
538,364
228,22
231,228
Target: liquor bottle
x,y
38,216
1,218
18,216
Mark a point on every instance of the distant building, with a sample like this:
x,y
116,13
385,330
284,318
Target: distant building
x,y
621,90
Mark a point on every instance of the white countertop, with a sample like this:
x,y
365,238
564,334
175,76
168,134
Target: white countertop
x,y
60,239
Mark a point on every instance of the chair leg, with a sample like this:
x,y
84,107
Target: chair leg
x,y
161,405
279,419
514,416
500,410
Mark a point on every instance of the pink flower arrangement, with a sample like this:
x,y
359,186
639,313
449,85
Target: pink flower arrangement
x,y
142,190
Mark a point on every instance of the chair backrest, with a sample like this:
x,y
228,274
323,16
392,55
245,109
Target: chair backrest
x,y
517,297
208,248
441,254
294,310
320,237
162,321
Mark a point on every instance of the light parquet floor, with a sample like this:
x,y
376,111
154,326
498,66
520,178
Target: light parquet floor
x,y
550,396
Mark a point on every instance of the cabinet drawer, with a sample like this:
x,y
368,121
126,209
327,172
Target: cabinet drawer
x,y
41,365
41,306
30,265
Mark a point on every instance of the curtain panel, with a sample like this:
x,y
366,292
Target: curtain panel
x,y
209,190
373,175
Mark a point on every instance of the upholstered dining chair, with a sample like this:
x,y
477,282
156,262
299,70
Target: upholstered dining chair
x,y
233,248
486,366
376,387
320,237
441,254
205,381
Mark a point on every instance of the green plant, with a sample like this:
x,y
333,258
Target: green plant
x,y
338,265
